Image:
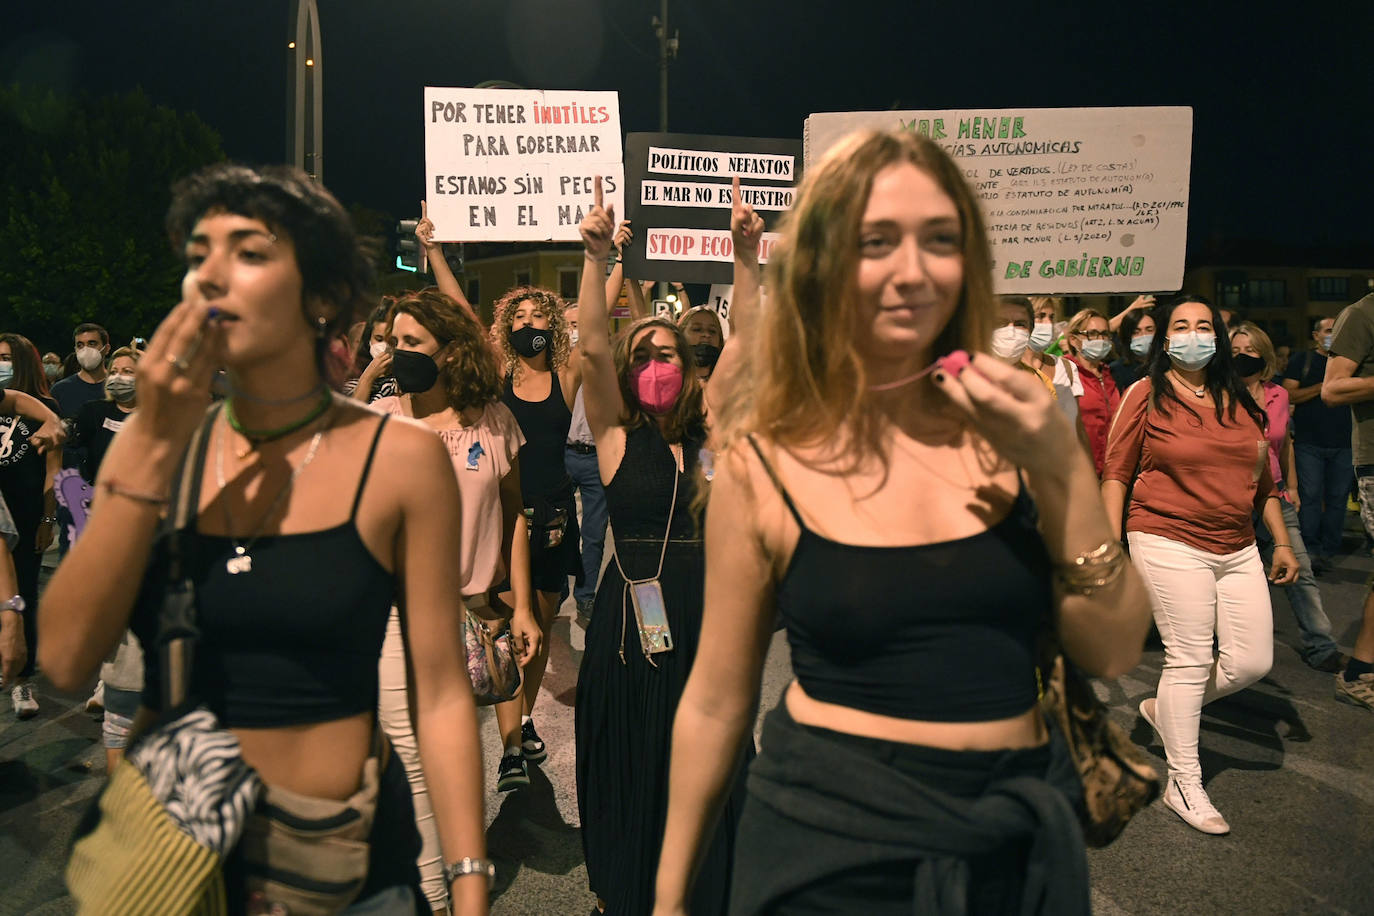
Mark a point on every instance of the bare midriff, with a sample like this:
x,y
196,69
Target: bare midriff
x,y
1018,732
323,759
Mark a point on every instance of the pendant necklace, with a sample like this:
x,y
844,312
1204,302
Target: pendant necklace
x,y
1197,392
242,561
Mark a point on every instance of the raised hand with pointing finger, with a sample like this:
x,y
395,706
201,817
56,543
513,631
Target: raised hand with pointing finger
x,y
598,226
746,226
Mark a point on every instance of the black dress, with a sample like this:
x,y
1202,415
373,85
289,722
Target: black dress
x,y
625,708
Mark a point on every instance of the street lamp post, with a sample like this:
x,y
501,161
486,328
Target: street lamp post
x,y
304,90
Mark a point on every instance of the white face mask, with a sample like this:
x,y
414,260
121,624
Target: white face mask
x,y
1009,342
88,358
572,336
1041,336
377,348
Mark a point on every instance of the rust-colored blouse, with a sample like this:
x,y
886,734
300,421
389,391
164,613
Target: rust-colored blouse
x,y
1199,480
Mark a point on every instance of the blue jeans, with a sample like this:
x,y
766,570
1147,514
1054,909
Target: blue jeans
x,y
1325,476
1303,595
587,477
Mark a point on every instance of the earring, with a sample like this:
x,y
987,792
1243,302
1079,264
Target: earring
x,y
321,326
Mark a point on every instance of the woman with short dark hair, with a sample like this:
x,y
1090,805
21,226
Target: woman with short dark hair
x,y
296,550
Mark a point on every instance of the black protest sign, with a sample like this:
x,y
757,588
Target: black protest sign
x,y
678,197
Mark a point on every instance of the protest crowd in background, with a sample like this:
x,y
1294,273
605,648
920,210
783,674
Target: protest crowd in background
x,y
382,506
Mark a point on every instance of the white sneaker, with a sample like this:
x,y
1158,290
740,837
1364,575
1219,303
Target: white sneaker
x,y
1189,801
96,703
25,706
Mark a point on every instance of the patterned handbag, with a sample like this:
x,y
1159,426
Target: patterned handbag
x,y
1118,779
493,663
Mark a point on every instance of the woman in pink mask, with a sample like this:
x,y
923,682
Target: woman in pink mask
x,y
646,411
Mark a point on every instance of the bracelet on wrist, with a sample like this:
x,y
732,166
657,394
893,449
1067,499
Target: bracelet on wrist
x,y
114,489
1277,546
470,866
1092,570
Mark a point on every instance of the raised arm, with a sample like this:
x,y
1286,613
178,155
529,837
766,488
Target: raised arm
x,y
746,231
1141,302
1101,630
721,697
639,301
85,609
443,275
623,236
601,389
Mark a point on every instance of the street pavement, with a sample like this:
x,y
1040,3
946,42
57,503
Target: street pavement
x,y
1288,766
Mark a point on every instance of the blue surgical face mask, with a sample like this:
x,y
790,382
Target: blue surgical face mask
x,y
1097,350
1326,341
1193,350
6,372
1141,345
1041,336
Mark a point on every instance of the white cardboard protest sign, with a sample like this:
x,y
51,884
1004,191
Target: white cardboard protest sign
x,y
518,164
1075,200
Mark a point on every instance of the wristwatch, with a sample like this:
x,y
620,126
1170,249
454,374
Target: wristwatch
x,y
471,866
16,604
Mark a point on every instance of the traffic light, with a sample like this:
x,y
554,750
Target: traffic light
x,y
409,255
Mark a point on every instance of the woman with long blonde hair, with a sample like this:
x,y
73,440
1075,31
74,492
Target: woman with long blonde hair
x,y
915,528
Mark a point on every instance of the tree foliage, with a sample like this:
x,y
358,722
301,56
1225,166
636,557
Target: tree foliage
x,y
86,182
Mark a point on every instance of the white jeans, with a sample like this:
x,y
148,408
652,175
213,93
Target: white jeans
x,y
393,711
1194,595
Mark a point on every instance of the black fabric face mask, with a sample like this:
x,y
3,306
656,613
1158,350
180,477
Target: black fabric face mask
x,y
413,372
530,341
705,355
1247,365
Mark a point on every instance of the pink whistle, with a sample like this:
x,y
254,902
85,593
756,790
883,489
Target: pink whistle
x,y
954,363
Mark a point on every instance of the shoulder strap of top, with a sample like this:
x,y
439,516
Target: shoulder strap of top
x,y
773,476
367,467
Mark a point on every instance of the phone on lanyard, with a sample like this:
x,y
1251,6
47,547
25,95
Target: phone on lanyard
x,y
655,636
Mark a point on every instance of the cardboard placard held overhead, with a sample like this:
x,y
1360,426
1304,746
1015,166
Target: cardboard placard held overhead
x,y
508,165
1075,200
678,189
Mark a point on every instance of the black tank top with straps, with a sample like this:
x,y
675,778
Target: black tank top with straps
x,y
294,641
544,425
941,632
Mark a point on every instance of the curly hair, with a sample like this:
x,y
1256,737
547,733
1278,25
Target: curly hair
x,y
469,373
504,319
687,419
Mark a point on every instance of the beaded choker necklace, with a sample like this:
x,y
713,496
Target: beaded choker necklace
x,y
257,437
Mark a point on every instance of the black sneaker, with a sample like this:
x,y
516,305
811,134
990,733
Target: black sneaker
x,y
511,773
532,744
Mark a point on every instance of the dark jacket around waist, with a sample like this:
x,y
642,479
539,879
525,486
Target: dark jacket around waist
x,y
865,812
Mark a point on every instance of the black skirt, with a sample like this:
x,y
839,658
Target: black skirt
x,y
625,716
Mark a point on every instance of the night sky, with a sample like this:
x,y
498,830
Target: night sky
x,y
1283,102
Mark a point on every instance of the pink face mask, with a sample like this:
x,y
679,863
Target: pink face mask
x,y
656,384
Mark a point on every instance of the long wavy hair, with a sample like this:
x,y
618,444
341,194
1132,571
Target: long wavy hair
x,y
1262,343
687,419
553,306
467,367
1219,378
804,379
28,366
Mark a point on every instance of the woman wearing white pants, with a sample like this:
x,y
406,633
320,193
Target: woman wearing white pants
x,y
1191,440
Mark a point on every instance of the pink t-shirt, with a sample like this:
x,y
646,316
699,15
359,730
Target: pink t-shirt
x,y
1276,409
482,456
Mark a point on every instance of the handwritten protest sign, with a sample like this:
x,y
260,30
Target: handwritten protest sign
x,y
517,164
679,198
1076,200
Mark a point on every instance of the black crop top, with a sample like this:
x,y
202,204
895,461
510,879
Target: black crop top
x,y
941,632
294,641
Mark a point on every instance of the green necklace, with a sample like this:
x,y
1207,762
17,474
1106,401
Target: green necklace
x,y
258,437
